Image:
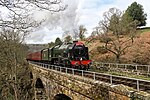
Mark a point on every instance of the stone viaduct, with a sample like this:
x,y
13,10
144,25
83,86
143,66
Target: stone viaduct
x,y
53,85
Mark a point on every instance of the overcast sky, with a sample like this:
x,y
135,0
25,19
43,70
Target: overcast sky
x,y
79,12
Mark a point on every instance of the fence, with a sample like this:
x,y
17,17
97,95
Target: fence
x,y
138,84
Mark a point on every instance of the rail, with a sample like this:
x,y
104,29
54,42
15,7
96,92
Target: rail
x,y
138,84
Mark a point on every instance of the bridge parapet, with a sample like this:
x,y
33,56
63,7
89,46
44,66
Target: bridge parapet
x,y
81,88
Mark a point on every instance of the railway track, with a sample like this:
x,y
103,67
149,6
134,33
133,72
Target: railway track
x,y
139,84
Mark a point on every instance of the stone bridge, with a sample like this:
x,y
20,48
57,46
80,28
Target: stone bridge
x,y
54,85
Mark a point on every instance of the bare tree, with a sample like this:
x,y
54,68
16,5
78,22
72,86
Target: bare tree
x,y
14,26
16,6
21,11
95,33
68,38
12,67
75,34
117,32
82,31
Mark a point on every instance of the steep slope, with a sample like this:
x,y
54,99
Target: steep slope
x,y
139,52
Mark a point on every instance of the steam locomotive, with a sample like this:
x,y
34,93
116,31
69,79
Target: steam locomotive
x,y
73,55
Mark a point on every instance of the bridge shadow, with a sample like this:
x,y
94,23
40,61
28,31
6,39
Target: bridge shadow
x,y
39,83
40,90
62,97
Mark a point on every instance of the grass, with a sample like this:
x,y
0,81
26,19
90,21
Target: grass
x,y
142,30
130,75
125,74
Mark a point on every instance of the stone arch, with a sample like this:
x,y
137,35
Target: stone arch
x,y
39,83
40,91
62,97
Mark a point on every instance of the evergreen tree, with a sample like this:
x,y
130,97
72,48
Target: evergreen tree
x,y
58,41
136,12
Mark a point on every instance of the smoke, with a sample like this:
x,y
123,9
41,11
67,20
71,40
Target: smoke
x,y
67,19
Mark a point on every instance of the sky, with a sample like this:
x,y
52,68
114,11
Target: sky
x,y
78,12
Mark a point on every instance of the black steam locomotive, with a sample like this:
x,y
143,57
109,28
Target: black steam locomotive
x,y
73,55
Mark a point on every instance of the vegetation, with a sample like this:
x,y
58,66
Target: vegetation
x,y
101,49
15,80
82,31
51,44
116,34
125,74
136,12
75,34
142,30
68,38
15,83
58,41
113,28
138,53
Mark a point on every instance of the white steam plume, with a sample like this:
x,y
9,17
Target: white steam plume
x,y
67,19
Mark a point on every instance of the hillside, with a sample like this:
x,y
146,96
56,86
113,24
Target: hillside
x,y
138,53
35,47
